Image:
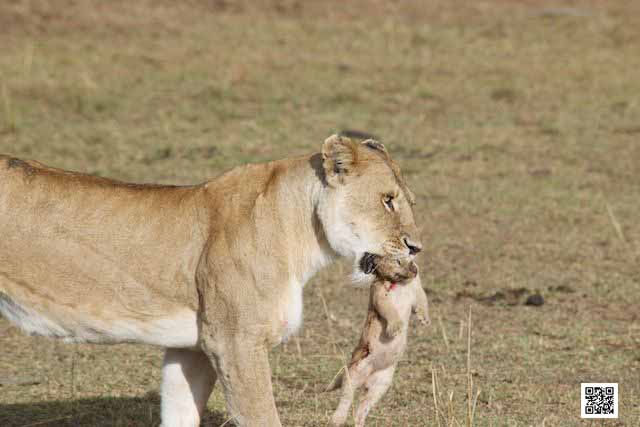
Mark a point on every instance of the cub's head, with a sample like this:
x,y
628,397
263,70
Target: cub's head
x,y
389,269
366,208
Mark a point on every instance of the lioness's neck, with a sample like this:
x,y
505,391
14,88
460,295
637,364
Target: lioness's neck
x,y
300,189
276,204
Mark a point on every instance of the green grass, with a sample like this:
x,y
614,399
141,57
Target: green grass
x,y
517,128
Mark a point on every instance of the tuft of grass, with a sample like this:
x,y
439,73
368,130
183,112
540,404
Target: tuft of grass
x,y
444,404
10,120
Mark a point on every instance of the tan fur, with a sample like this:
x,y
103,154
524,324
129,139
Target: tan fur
x,y
382,343
216,268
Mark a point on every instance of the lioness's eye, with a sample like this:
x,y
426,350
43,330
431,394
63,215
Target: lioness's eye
x,y
387,199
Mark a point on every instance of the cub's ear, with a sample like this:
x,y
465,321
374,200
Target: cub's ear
x,y
339,158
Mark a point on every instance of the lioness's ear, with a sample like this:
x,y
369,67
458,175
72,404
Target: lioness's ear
x,y
339,157
375,145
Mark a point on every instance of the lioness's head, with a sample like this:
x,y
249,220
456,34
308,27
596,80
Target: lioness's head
x,y
367,206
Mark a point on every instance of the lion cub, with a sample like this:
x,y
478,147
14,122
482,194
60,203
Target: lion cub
x,y
382,342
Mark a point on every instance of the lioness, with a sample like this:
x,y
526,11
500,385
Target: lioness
x,y
383,339
213,272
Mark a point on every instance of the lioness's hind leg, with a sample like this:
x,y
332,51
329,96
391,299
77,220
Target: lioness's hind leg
x,y
187,381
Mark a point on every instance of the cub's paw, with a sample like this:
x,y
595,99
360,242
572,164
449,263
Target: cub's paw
x,y
339,418
423,317
393,329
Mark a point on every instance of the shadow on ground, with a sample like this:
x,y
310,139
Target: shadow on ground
x,y
101,411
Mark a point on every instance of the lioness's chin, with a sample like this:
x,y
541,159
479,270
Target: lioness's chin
x,y
361,276
360,279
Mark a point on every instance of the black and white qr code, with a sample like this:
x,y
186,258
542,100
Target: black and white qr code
x,y
599,400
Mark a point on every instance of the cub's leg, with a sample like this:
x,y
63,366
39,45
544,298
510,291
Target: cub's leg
x,y
187,381
377,385
242,364
352,380
421,306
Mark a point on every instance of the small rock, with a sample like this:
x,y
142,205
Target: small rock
x,y
535,300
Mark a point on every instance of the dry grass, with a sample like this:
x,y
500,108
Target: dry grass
x,y
517,124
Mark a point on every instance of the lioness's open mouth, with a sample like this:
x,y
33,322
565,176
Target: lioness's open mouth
x,y
388,268
368,262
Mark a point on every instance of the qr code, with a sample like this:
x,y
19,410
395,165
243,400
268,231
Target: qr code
x,y
599,400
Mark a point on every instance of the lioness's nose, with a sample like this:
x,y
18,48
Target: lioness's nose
x,y
414,246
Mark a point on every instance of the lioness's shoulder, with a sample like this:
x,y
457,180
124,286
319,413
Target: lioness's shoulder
x,y
260,176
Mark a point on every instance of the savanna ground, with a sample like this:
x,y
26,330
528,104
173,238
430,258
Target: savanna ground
x,y
516,123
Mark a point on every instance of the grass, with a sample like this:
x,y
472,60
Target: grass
x,y
516,125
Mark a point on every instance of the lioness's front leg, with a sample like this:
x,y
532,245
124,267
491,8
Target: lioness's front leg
x,y
242,364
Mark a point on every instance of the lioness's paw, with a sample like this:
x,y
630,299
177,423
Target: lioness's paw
x,y
394,328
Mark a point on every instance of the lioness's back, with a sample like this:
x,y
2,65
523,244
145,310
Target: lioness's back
x,y
30,170
90,250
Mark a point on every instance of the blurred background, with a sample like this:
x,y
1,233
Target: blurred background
x,y
517,124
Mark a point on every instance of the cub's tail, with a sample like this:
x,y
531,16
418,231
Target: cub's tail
x,y
361,352
337,381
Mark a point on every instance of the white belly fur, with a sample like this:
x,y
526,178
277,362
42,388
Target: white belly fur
x,y
179,329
